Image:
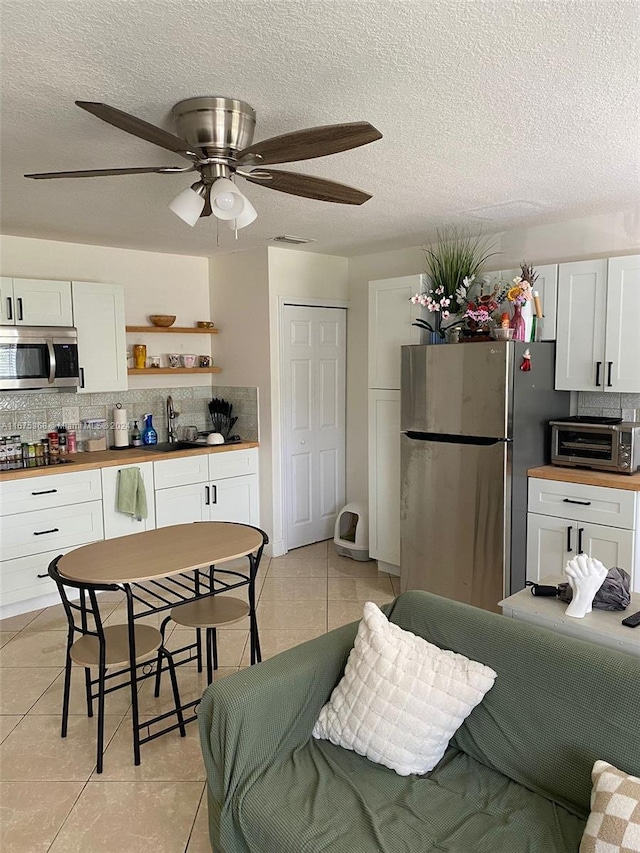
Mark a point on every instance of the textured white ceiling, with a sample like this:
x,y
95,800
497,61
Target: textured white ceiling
x,y
531,106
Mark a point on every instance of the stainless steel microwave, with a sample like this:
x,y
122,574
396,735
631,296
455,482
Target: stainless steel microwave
x,y
38,357
605,444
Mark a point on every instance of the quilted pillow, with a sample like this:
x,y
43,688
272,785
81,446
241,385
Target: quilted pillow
x,y
401,699
614,822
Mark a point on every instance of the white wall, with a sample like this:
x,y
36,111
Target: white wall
x,y
245,300
300,276
154,283
577,239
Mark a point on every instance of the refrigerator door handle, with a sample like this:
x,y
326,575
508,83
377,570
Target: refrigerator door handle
x,y
443,438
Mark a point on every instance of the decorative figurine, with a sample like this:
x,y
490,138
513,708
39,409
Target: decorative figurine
x,y
585,576
526,360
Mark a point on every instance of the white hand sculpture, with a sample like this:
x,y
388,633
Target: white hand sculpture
x,y
585,576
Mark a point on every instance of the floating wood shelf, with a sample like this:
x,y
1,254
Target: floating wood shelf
x,y
149,371
176,330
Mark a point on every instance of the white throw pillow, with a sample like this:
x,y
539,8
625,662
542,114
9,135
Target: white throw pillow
x,y
401,698
614,822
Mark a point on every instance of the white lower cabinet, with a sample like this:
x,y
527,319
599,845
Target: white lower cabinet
x,y
231,496
554,538
117,523
30,539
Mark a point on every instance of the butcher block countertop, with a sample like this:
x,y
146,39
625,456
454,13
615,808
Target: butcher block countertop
x,y
630,482
108,458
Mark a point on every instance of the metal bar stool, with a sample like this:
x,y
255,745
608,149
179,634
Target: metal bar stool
x,y
215,610
120,648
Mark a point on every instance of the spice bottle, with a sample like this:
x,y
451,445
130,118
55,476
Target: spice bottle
x,y
62,441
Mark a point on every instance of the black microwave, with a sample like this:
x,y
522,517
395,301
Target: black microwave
x,y
34,357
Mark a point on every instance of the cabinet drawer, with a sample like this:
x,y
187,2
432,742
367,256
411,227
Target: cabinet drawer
x,y
597,504
49,529
181,472
233,463
19,578
50,490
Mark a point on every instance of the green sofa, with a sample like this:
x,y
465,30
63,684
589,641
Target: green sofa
x,y
516,776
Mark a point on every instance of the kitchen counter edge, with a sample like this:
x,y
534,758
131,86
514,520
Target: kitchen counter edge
x,y
108,458
629,482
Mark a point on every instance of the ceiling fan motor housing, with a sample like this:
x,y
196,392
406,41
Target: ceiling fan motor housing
x,y
218,125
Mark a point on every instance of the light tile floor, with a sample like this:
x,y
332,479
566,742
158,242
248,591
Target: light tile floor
x,y
50,796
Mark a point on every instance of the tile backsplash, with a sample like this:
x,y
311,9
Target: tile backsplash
x,y
33,414
609,404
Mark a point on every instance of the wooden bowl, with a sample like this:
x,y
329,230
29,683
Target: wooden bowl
x,y
163,320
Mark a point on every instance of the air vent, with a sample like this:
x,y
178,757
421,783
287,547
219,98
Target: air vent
x,y
503,212
294,241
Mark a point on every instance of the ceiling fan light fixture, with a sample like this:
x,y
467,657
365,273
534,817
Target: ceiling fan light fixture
x,y
189,203
248,215
227,202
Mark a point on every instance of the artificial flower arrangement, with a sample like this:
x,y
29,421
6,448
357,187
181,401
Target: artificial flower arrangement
x,y
455,260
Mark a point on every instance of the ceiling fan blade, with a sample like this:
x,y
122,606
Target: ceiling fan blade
x,y
138,127
98,173
307,186
312,142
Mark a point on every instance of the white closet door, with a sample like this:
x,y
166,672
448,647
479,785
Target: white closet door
x,y
314,362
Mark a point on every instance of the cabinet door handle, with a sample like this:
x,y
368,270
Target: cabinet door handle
x,y
569,546
580,532
19,301
45,575
580,503
207,492
215,494
42,532
9,308
598,366
609,369
45,492
82,377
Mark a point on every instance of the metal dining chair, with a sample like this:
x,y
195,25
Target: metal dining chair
x,y
92,645
215,611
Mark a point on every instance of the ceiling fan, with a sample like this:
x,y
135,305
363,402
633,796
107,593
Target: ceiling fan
x,y
216,135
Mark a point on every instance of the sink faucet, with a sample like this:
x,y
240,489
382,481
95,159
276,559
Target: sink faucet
x,y
172,414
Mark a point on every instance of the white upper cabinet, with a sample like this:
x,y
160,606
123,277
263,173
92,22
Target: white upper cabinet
x,y
390,317
98,310
35,302
622,333
598,321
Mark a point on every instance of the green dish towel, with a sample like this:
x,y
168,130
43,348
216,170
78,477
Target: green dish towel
x,y
132,497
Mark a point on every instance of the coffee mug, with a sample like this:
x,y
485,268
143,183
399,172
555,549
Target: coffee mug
x,y
189,360
205,361
154,361
174,359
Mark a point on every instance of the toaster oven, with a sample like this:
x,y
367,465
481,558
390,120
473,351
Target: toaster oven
x,y
604,444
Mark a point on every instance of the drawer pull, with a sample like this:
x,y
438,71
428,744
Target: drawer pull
x,y
46,492
45,575
42,532
580,503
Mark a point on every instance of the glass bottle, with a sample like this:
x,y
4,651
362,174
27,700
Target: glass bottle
x,y
136,438
149,435
517,324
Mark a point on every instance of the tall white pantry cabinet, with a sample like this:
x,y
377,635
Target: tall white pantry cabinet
x,y
391,314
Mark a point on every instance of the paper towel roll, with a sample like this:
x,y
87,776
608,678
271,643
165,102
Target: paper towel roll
x,y
120,427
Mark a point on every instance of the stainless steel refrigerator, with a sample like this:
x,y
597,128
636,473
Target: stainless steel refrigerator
x,y
472,424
